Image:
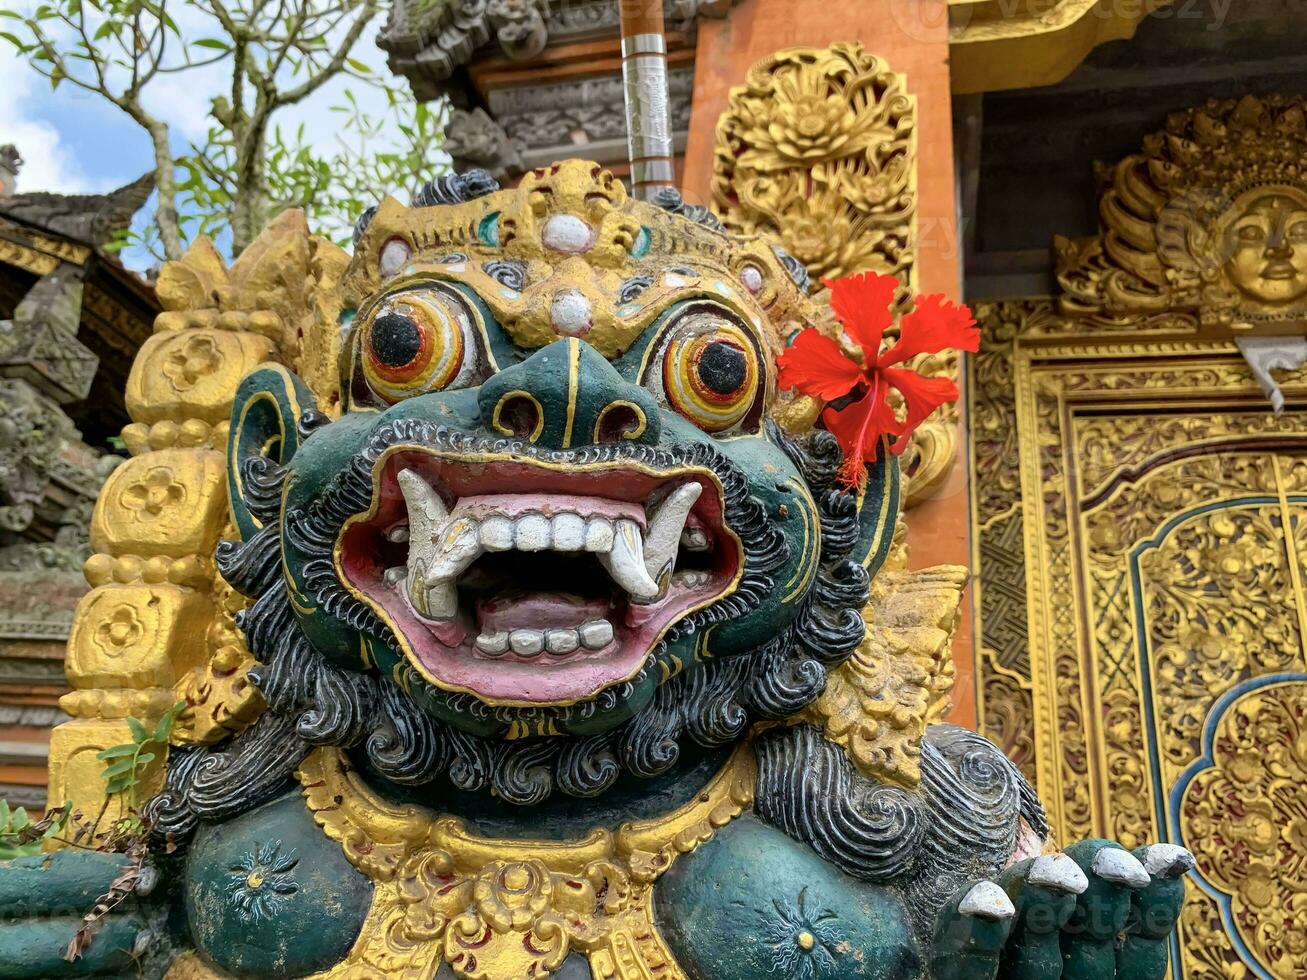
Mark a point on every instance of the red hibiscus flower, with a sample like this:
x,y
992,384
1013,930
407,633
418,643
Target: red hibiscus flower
x,y
818,366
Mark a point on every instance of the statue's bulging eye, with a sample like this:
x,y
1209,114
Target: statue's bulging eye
x,y
415,343
711,372
396,341
722,369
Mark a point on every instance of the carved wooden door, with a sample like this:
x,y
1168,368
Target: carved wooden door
x,y
1141,541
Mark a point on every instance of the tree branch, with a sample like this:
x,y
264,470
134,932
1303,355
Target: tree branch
x,y
315,81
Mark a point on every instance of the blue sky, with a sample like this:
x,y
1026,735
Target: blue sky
x,y
75,142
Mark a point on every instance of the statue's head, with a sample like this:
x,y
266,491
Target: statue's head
x,y
1265,244
555,525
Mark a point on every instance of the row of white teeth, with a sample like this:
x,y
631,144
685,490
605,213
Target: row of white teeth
x,y
441,546
593,635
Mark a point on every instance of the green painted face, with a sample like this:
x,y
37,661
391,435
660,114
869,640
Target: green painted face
x,y
554,501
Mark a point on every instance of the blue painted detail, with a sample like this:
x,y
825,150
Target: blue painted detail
x,y
642,242
488,230
627,309
1166,813
346,316
805,938
262,881
1206,761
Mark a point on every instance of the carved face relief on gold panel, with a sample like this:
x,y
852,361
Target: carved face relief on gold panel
x,y
1264,239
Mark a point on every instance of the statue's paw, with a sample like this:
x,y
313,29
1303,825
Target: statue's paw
x,y
1097,912
42,903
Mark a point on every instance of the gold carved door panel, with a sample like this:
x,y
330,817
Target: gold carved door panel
x,y
1157,511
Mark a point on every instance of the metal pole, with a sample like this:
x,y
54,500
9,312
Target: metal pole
x,y
644,78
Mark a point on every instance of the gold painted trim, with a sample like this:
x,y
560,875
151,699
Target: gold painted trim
x,y
811,535
622,403
439,884
377,835
573,387
497,424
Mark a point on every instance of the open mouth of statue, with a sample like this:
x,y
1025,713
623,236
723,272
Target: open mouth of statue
x,y
546,593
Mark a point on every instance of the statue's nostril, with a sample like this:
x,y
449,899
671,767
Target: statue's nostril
x,y
620,420
518,414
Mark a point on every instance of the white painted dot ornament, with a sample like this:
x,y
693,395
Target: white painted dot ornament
x,y
567,233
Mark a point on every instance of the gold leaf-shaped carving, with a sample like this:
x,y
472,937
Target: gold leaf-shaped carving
x,y
818,151
878,703
192,283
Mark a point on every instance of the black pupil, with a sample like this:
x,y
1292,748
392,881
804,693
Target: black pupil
x,y
396,339
722,368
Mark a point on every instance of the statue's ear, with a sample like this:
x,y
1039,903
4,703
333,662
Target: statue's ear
x,y
878,511
266,423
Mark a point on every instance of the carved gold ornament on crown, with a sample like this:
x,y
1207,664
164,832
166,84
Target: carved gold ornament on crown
x,y
1204,231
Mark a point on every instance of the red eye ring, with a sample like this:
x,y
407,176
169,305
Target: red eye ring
x,y
398,345
711,374
414,343
713,360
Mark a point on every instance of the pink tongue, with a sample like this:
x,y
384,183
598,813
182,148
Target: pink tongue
x,y
538,610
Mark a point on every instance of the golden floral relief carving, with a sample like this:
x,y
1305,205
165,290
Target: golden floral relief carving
x,y
1104,493
877,704
171,503
818,150
152,493
157,626
192,373
1241,812
188,363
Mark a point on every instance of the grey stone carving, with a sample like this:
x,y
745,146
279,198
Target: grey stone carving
x,y
427,41
475,141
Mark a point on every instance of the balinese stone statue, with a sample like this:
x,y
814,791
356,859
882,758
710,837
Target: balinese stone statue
x,y
561,614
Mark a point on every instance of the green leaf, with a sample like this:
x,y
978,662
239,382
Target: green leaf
x,y
167,721
119,768
117,785
14,41
114,751
358,66
212,42
139,732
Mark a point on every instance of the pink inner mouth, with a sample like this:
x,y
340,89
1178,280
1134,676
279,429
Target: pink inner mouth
x,y
548,608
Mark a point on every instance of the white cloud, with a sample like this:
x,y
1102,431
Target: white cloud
x,y
48,164
51,129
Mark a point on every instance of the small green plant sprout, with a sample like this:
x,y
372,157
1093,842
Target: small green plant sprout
x,y
125,764
20,836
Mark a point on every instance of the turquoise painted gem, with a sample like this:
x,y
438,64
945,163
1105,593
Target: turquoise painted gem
x,y
642,242
488,230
